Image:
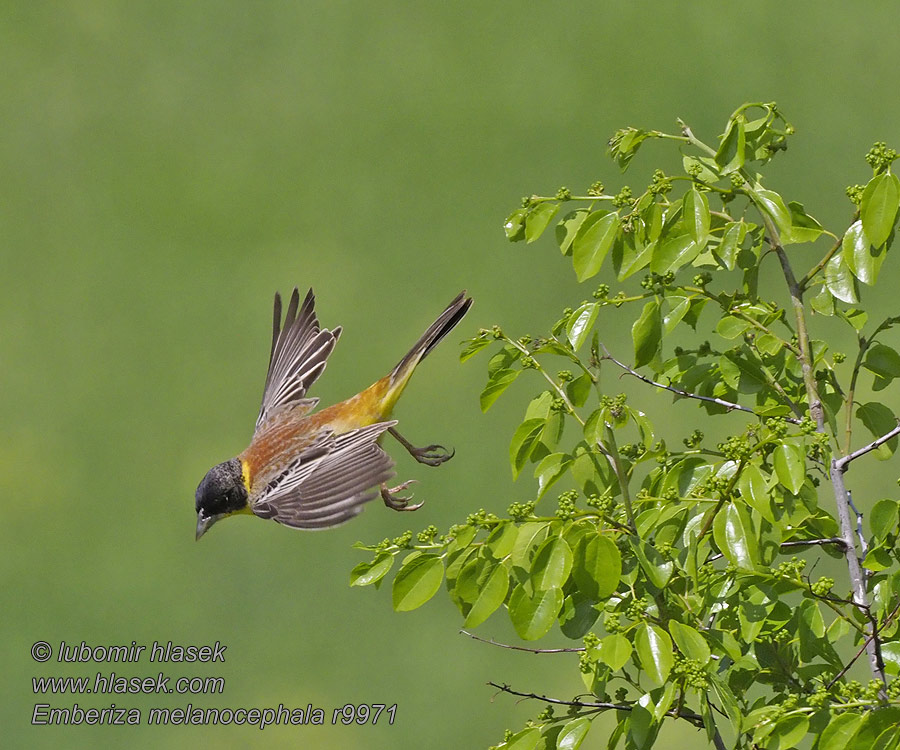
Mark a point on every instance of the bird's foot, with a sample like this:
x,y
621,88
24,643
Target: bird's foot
x,y
395,501
432,455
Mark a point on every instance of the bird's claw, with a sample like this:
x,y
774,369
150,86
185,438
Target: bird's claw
x,y
394,501
432,455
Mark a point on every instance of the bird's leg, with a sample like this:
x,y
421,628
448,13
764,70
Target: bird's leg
x,y
430,455
395,501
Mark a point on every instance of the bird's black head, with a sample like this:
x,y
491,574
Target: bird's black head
x,y
221,493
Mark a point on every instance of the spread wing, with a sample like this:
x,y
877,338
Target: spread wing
x,y
330,481
300,350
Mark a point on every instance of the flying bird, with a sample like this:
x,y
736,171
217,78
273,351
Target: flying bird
x,y
316,469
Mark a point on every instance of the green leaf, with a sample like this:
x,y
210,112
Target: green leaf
x,y
491,596
730,245
568,228
840,730
529,538
878,207
734,536
823,302
550,469
592,243
754,491
839,280
678,308
577,616
856,318
709,170
524,439
876,724
772,203
597,566
503,360
689,641
514,226
501,541
642,730
539,406
863,260
417,581
654,649
573,734
552,564
655,566
804,228
527,739
533,616
624,145
579,390
790,465
673,253
473,347
686,475
741,369
769,344
614,651
727,700
370,572
879,420
890,652
538,218
497,383
647,334
695,216
730,327
629,256
580,323
883,518
787,733
877,559
471,578
730,155
883,361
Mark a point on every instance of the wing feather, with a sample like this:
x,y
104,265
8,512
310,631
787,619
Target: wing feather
x,y
330,484
299,354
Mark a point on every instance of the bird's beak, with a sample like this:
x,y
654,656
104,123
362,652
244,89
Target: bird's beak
x,y
204,522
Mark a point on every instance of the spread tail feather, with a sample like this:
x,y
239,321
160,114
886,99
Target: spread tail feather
x,y
445,323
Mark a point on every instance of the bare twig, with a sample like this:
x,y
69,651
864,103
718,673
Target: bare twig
x,y
492,642
863,546
710,399
837,541
841,463
842,498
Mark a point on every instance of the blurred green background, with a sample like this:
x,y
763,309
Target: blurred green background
x,y
167,166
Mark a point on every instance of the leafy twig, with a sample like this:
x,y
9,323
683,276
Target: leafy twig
x,y
796,292
804,282
862,648
695,719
